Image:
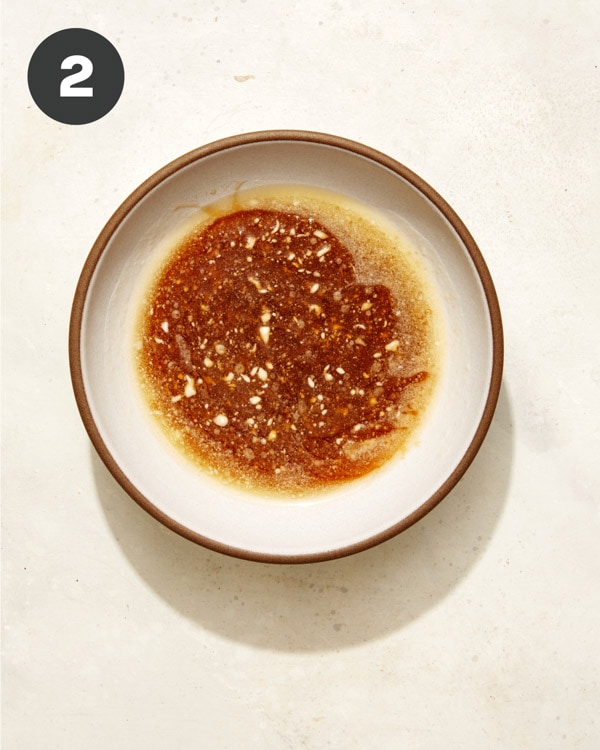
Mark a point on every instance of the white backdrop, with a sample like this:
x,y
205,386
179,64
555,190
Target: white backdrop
x,y
478,627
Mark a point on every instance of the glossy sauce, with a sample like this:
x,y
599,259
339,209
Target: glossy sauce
x,y
280,355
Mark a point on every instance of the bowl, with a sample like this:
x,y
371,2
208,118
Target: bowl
x,y
348,517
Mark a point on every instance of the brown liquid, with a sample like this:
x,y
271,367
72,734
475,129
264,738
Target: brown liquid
x,y
277,357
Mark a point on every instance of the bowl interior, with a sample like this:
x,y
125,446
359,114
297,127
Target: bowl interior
x,y
351,516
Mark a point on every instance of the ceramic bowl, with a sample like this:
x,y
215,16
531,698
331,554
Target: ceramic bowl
x,y
352,516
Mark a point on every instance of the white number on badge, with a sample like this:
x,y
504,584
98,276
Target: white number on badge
x,y
66,85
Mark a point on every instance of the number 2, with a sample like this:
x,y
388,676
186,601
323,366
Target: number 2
x,y
66,85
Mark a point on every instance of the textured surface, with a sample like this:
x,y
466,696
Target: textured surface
x,y
476,628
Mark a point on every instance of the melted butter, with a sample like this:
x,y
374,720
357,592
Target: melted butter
x,y
287,342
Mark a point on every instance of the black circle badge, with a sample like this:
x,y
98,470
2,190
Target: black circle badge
x,y
75,76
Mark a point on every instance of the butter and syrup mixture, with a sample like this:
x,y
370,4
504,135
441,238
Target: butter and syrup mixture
x,y
272,356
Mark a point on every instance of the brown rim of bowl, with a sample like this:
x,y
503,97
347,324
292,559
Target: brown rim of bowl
x,y
259,137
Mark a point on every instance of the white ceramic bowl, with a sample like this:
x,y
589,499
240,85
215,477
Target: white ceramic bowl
x,y
350,517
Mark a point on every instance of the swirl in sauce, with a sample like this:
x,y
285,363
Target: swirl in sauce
x,y
272,354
